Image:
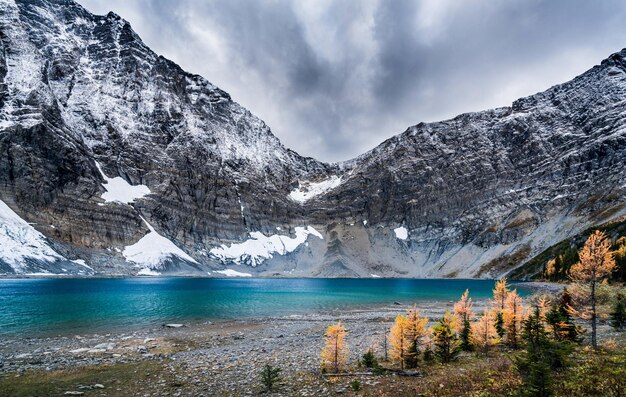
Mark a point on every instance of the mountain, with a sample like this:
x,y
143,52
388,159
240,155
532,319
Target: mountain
x,y
116,161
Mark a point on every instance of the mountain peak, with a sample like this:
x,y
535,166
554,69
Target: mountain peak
x,y
616,59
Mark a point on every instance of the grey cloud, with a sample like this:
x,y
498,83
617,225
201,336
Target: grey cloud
x,y
333,78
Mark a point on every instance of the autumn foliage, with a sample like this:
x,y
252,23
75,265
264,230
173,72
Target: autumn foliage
x,y
596,259
596,263
513,315
463,308
500,293
543,333
399,340
484,334
335,353
416,331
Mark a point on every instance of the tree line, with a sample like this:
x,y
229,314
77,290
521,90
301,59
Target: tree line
x,y
541,329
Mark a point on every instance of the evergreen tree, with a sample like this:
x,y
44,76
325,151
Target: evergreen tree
x,y
269,377
429,355
466,337
542,356
369,360
412,355
499,325
560,320
463,311
445,339
618,315
620,260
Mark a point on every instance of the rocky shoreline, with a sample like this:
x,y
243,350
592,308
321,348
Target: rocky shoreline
x,y
217,358
223,356
214,358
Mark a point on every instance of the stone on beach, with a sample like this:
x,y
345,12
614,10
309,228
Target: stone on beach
x,y
105,346
174,325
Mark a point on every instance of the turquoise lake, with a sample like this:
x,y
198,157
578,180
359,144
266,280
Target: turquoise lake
x,y
39,307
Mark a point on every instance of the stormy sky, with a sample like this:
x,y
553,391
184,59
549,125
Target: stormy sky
x,y
334,78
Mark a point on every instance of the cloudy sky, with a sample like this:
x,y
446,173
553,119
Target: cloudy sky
x,y
334,78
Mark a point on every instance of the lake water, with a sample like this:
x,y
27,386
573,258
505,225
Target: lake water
x,y
37,307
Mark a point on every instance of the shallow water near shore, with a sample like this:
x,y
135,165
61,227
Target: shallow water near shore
x,y
40,307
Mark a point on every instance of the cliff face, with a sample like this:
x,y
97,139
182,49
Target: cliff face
x,y
123,162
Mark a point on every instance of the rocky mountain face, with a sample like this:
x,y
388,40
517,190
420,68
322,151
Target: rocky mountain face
x,y
113,160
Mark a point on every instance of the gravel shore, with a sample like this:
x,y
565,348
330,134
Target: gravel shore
x,y
224,357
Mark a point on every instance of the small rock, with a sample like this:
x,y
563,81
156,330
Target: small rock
x,y
412,373
73,393
173,325
105,346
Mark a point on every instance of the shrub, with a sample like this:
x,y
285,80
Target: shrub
x,y
270,376
369,360
618,314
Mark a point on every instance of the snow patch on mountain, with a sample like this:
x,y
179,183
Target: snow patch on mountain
x,y
19,241
148,272
307,190
233,273
261,247
82,263
152,250
401,233
118,190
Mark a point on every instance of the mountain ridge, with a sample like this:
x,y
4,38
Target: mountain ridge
x,y
467,191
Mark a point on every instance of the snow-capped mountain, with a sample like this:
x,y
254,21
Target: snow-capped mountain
x,y
116,161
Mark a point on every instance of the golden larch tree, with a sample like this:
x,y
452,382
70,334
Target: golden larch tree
x,y
399,340
335,353
463,308
550,268
484,334
500,293
513,315
415,333
596,263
